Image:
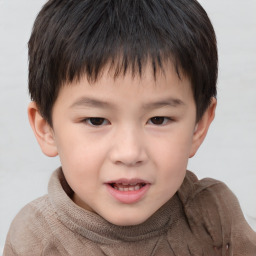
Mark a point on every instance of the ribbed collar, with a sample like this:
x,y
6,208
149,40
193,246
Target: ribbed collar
x,y
97,229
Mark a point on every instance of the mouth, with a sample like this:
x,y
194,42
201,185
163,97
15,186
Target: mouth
x,y
128,191
127,187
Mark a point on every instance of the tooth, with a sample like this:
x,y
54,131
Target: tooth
x,y
126,189
121,189
131,188
137,187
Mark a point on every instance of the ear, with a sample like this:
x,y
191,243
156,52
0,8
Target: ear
x,y
202,127
42,130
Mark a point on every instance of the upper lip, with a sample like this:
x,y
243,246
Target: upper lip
x,y
128,181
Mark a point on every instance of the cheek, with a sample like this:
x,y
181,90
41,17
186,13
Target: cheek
x,y
73,152
81,168
81,156
71,144
173,148
171,156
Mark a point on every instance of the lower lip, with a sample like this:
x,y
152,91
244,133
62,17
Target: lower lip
x,y
128,197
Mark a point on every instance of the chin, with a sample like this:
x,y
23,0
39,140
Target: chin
x,y
127,219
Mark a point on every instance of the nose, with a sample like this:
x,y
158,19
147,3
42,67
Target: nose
x,y
128,148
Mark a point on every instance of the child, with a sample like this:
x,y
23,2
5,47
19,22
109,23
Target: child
x,y
124,92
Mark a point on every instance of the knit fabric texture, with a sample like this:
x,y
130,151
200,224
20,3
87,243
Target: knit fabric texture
x,y
202,218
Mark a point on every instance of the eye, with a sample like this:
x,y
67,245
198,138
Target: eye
x,y
159,120
96,121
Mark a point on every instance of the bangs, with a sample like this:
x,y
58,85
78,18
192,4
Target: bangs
x,y
71,39
99,39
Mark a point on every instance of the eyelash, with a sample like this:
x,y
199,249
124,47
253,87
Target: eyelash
x,y
165,120
100,121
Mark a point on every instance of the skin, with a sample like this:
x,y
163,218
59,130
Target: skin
x,y
127,142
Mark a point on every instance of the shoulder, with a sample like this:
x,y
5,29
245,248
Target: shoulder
x,y
206,192
27,233
212,208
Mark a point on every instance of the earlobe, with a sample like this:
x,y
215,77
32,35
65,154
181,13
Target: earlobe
x,y
202,127
42,130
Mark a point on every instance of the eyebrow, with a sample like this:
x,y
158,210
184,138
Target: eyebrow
x,y
168,102
91,102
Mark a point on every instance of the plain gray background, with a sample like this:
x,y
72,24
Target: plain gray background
x,y
228,154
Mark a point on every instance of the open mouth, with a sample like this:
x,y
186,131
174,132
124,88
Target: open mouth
x,y
128,191
127,187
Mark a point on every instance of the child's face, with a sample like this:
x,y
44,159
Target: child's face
x,y
121,134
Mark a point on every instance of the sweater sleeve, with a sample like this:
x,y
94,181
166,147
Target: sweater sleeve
x,y
243,238
215,217
22,238
27,233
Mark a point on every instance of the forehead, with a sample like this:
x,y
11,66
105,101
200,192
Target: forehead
x,y
137,87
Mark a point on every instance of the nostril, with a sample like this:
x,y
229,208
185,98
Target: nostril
x,y
129,162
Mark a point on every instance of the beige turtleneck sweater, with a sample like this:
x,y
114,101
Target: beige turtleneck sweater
x,y
202,218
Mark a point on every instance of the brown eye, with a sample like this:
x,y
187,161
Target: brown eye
x,y
96,121
158,120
